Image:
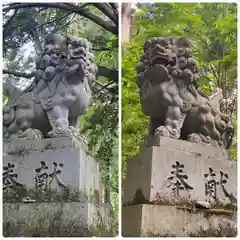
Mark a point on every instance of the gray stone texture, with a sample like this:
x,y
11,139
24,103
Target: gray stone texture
x,y
85,214
21,145
176,144
154,220
170,94
79,173
148,172
59,94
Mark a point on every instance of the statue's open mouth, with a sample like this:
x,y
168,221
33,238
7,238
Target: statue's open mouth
x,y
162,59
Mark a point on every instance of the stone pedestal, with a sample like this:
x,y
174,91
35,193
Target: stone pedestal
x,y
81,218
169,221
70,165
51,187
176,173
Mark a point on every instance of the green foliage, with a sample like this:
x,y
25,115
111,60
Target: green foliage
x,y
212,29
134,122
100,125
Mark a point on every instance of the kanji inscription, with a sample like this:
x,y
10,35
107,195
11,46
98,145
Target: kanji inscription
x,y
211,185
57,169
10,177
178,179
43,179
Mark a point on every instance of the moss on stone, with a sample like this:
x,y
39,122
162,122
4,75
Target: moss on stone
x,y
16,195
53,225
183,202
226,230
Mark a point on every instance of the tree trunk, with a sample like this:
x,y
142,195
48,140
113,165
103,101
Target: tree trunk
x,y
126,22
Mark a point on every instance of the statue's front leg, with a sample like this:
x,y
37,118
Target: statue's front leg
x,y
58,119
62,125
175,117
73,124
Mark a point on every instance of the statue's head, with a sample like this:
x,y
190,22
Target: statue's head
x,y
78,47
55,49
80,53
70,55
173,53
159,50
173,56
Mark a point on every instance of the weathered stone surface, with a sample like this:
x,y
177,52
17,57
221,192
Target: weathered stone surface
x,y
82,214
202,149
22,146
170,94
154,220
59,94
80,172
151,176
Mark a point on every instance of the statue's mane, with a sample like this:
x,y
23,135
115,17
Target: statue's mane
x,y
72,50
170,51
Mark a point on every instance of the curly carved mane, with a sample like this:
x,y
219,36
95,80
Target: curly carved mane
x,y
176,56
59,94
170,92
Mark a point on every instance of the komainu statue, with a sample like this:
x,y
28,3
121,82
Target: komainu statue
x,y
171,96
59,94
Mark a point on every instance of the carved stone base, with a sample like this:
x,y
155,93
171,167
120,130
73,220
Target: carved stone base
x,y
176,144
59,164
169,221
74,219
179,171
42,144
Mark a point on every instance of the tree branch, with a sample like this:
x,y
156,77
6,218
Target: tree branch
x,y
55,20
114,5
66,24
40,10
18,74
111,74
74,9
112,90
102,49
104,86
10,19
108,11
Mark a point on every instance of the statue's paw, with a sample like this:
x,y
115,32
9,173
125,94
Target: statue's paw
x,y
162,131
68,132
174,133
195,138
78,136
31,134
220,144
